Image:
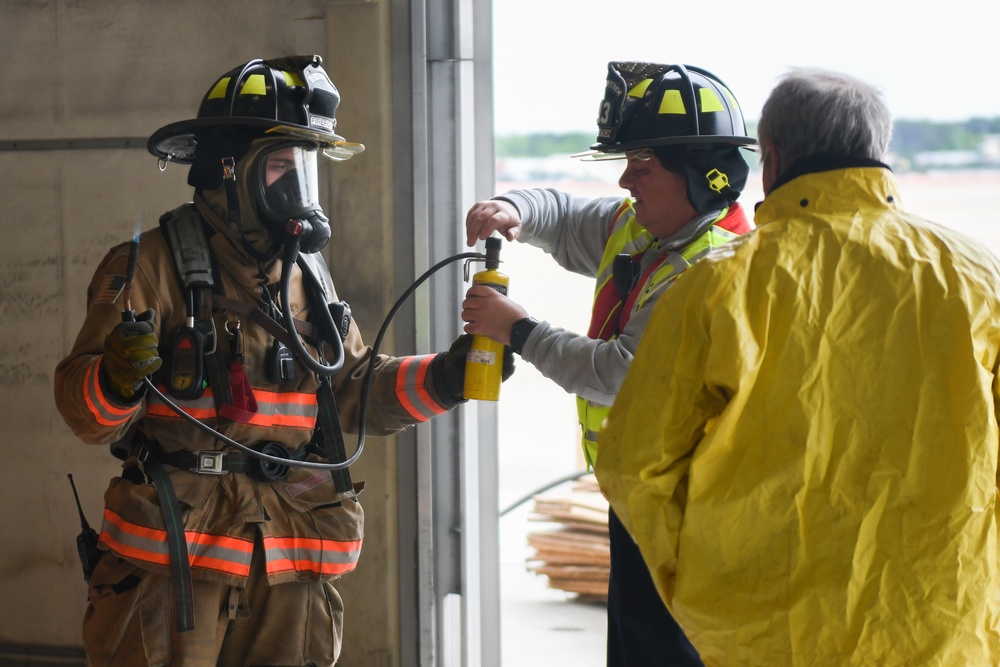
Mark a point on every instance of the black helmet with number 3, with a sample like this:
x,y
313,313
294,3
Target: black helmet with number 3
x,y
647,105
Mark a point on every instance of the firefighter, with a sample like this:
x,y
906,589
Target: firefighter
x,y
212,554
806,446
679,130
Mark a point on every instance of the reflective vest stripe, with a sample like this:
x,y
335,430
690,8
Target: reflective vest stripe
x,y
287,409
302,554
218,553
411,387
629,238
104,412
715,237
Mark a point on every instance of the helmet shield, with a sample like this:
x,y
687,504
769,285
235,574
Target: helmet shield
x,y
287,181
647,105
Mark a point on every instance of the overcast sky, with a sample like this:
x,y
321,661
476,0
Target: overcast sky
x,y
934,60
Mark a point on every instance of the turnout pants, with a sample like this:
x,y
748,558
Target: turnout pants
x,y
130,621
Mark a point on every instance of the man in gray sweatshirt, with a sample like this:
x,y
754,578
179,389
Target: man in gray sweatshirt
x,y
680,130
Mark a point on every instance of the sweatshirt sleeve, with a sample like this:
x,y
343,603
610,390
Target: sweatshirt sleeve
x,y
572,229
402,390
598,367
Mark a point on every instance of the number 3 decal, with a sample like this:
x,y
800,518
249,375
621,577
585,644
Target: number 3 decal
x,y
605,113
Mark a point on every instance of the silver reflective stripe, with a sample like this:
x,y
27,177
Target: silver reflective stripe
x,y
104,413
411,387
315,555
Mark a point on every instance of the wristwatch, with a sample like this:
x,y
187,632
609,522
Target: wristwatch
x,y
519,332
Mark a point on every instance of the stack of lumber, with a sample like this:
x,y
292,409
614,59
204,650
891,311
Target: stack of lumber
x,y
574,555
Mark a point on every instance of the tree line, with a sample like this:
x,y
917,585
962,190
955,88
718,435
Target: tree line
x,y
909,138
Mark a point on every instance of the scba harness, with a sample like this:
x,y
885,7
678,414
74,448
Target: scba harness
x,y
195,360
194,363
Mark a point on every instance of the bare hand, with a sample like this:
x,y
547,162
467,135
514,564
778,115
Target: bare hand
x,y
494,215
489,313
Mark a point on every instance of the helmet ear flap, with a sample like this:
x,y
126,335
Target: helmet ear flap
x,y
206,171
715,177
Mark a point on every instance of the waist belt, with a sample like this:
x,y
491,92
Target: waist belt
x,y
212,462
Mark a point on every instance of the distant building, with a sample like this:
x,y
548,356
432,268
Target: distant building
x,y
990,149
986,155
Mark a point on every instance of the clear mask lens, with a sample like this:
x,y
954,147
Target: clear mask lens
x,y
289,182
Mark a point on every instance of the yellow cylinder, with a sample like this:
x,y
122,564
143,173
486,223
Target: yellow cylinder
x,y
484,365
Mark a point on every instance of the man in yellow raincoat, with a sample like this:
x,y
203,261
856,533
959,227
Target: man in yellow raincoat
x,y
805,447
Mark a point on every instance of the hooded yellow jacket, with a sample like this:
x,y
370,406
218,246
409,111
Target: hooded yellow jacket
x,y
805,447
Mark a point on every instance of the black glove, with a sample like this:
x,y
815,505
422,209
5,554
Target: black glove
x,y
448,368
130,355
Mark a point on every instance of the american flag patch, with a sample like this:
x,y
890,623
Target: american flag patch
x,y
111,287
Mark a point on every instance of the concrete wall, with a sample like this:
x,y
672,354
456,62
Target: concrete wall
x,y
111,70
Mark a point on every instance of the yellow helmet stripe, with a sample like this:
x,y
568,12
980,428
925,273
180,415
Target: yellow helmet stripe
x,y
293,80
219,90
639,89
672,103
254,85
710,102
732,100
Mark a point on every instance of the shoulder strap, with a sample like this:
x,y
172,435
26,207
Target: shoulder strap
x,y
185,234
336,320
318,273
184,231
186,237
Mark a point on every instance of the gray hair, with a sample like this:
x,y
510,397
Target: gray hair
x,y
814,111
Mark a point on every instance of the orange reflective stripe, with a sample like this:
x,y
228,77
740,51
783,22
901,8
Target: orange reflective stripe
x,y
411,388
292,409
286,409
310,554
289,421
219,553
607,305
201,408
209,552
104,412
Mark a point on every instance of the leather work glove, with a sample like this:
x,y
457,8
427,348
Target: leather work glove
x,y
448,368
130,355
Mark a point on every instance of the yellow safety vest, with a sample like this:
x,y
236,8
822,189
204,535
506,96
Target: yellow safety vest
x,y
610,314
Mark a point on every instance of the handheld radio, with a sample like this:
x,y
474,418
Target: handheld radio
x,y
86,541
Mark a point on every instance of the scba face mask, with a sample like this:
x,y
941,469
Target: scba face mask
x,y
287,190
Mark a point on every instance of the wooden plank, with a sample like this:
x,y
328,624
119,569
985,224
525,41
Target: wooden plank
x,y
575,557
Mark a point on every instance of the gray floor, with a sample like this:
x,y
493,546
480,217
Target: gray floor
x,y
539,443
541,626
